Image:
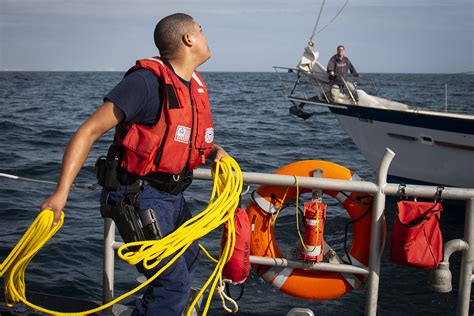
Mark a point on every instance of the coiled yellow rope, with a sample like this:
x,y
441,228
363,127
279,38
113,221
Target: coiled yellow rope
x,y
222,204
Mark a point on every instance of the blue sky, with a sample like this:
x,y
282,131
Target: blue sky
x,y
415,36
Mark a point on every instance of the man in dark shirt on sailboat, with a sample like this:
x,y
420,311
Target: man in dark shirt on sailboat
x,y
338,67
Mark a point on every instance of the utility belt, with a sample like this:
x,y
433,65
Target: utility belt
x,y
133,223
111,176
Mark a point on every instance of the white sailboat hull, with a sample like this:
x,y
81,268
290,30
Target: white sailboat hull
x,y
432,155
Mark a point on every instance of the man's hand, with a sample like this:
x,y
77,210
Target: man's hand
x,y
56,203
219,153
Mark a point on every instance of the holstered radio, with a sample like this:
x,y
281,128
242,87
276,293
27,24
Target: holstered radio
x,y
132,224
107,169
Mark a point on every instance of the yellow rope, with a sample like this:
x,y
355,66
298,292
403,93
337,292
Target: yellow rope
x,y
297,211
222,204
273,220
318,227
208,254
282,202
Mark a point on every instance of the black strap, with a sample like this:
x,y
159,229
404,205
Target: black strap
x,y
134,188
227,291
358,200
170,183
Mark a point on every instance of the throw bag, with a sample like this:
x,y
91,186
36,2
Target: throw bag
x,y
237,269
416,235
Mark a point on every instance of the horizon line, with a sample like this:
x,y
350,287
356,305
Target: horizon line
x,y
233,71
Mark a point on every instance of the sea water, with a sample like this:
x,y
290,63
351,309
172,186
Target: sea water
x,y
40,111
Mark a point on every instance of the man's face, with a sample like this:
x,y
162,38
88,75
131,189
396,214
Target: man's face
x,y
340,52
201,47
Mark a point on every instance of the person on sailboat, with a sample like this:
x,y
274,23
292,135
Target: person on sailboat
x,y
338,67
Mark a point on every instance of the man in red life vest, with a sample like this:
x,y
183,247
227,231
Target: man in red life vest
x,y
164,129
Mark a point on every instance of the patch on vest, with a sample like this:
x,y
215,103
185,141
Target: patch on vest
x,y
183,134
200,90
209,137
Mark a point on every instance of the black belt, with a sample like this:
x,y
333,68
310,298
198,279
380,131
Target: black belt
x,y
171,188
169,183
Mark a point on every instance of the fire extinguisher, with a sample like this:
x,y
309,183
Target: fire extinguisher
x,y
314,219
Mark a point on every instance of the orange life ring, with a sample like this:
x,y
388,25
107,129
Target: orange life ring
x,y
306,284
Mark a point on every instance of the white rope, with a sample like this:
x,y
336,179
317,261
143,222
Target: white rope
x,y
224,297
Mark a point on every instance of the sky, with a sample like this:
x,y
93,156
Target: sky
x,y
397,36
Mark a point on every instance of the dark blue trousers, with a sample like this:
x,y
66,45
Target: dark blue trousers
x,y
168,294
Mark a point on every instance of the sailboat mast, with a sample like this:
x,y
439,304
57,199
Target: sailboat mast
x,y
311,40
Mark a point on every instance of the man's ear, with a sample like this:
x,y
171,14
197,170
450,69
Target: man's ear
x,y
188,39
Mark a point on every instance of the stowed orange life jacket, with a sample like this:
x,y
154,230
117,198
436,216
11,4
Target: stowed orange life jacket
x,y
183,135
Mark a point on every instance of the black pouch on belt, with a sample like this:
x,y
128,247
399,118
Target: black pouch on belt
x,y
133,225
107,169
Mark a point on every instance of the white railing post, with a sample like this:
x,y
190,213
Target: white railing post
x,y
108,272
465,277
375,235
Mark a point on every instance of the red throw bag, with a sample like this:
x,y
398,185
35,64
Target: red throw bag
x,y
416,236
237,269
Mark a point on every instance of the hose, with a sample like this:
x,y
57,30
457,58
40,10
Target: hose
x,y
222,204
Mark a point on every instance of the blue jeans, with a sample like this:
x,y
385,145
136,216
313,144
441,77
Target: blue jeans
x,y
168,294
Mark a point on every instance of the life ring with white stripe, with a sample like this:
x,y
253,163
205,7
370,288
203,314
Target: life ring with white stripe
x,y
310,284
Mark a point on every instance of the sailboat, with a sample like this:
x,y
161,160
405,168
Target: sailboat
x,y
431,147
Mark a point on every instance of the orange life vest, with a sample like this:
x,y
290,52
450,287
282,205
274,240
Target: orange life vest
x,y
183,135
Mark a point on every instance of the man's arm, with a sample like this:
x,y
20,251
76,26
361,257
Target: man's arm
x,y
106,117
352,68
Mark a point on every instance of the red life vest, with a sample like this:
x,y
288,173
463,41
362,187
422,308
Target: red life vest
x,y
183,135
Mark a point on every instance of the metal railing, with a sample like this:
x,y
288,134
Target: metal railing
x,y
303,85
380,189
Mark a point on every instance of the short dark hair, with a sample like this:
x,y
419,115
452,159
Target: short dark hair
x,y
340,46
169,32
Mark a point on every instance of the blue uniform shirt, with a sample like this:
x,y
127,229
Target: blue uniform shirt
x,y
139,96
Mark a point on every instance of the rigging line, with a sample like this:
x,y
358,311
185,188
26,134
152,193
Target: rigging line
x,y
75,185
332,20
317,22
